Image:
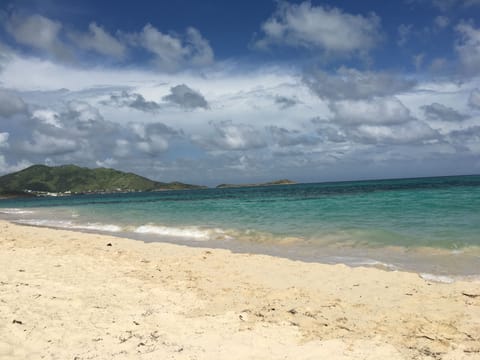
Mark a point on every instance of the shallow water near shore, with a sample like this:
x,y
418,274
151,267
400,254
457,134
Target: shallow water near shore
x,y
427,225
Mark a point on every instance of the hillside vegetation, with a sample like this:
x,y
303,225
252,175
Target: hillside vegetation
x,y
71,178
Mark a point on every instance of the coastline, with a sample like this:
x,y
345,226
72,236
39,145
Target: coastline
x,y
66,294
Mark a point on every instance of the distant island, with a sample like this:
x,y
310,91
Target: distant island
x,y
277,182
42,180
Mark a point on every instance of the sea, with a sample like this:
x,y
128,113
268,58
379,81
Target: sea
x,y
430,226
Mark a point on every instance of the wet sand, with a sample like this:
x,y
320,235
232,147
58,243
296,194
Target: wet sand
x,y
70,295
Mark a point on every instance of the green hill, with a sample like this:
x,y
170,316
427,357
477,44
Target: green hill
x,y
71,178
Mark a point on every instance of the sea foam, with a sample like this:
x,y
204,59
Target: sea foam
x,y
437,278
184,232
65,224
14,211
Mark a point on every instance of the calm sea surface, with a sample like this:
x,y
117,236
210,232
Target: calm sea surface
x,y
427,225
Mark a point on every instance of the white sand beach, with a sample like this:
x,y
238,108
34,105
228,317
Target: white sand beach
x,y
70,295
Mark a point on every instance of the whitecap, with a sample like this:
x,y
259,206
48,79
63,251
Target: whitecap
x,y
185,232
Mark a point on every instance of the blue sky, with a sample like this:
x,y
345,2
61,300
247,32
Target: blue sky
x,y
238,91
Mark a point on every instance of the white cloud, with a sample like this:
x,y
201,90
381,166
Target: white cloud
x,y
11,104
100,41
132,100
285,137
375,111
349,83
441,112
410,132
186,97
42,144
48,117
474,99
122,148
38,32
108,163
170,50
318,27
153,138
201,52
4,139
230,136
374,115
156,144
468,47
81,116
6,168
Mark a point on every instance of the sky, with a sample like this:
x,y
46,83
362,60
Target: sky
x,y
217,91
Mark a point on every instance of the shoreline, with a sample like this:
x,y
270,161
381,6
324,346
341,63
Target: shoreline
x,y
434,263
68,294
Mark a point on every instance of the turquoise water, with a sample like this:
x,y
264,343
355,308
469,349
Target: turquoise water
x,y
395,216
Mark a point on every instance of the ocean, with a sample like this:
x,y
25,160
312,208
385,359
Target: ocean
x,y
427,225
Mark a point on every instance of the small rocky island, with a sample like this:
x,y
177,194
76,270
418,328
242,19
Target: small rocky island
x,y
270,183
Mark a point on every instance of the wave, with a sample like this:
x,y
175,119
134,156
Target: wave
x,y
183,232
363,261
437,278
15,211
65,224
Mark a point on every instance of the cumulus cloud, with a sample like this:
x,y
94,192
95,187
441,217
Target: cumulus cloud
x,y
285,102
132,100
4,139
327,29
82,117
73,132
413,131
100,41
230,136
438,111
153,138
370,112
347,83
286,137
200,51
108,162
38,32
42,144
329,132
474,99
11,104
379,121
186,97
172,51
122,148
48,117
468,47
6,168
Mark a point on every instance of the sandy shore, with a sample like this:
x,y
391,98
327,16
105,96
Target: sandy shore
x,y
68,295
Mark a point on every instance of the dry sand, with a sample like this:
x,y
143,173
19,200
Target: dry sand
x,y
67,295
